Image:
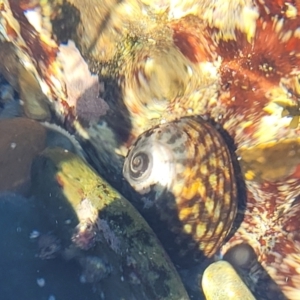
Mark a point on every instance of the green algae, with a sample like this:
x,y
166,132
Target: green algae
x,y
141,269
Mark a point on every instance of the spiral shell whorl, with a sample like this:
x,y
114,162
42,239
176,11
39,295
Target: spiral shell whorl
x,y
192,175
156,147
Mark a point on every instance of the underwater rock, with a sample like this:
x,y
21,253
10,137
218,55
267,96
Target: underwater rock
x,y
96,224
221,282
24,81
21,140
9,104
34,101
9,63
23,274
234,62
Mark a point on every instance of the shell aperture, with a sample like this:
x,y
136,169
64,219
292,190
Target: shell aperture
x,y
187,167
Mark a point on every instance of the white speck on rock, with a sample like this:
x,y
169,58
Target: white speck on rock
x,y
34,234
41,282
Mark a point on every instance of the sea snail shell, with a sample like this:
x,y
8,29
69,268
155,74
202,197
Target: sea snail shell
x,y
188,167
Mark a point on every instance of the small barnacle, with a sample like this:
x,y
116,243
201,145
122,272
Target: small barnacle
x,y
86,211
85,234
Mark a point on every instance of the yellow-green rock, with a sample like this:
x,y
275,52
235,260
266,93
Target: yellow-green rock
x,y
70,194
221,282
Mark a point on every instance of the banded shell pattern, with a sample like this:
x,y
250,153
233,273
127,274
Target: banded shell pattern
x,y
187,168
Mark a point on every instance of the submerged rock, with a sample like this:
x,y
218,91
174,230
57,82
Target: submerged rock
x,y
34,102
98,226
23,274
221,282
21,140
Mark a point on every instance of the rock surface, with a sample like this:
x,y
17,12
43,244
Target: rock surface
x,y
23,274
100,229
221,282
21,140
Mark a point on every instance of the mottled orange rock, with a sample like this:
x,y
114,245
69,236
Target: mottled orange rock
x,y
20,141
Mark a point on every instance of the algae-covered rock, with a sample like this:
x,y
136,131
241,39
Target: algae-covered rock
x,y
100,229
